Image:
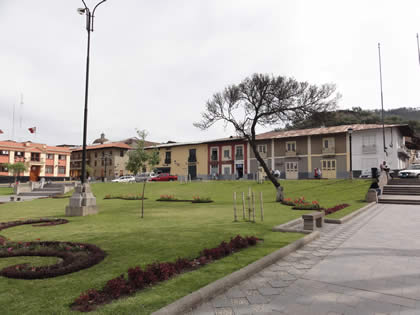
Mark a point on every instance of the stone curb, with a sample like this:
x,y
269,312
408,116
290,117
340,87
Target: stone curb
x,y
351,215
204,294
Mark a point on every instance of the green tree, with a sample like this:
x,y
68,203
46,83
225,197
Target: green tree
x,y
139,158
16,168
264,100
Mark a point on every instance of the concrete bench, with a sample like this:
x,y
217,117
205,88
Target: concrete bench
x,y
314,220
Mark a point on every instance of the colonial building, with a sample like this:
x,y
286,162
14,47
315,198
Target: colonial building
x,y
104,160
227,158
41,160
296,153
188,159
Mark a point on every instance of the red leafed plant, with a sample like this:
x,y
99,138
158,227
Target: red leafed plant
x,y
336,208
156,272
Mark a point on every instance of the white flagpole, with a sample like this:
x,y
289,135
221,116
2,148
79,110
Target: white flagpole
x,y
418,47
382,97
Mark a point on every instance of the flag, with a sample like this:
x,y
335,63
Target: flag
x,y
32,130
1,131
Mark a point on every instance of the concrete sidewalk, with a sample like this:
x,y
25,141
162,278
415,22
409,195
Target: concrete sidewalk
x,y
370,265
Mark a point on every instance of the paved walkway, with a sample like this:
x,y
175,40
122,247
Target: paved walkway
x,y
371,265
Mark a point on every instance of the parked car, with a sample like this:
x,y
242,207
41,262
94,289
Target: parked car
x,y
164,177
124,179
145,176
412,171
366,173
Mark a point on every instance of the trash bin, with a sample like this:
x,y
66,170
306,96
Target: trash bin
x,y
374,172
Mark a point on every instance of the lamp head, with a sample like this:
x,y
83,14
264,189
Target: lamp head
x,y
81,11
350,130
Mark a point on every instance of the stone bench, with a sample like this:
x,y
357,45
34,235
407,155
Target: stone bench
x,y
314,220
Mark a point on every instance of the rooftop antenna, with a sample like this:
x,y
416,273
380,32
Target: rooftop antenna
x,y
382,97
21,110
13,123
418,47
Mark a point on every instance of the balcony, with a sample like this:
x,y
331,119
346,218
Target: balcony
x,y
290,153
192,159
369,148
330,150
214,157
239,157
167,161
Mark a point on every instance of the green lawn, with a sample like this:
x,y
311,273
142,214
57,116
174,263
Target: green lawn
x,y
169,230
6,191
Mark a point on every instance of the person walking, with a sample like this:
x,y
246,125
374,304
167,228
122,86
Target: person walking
x,y
42,182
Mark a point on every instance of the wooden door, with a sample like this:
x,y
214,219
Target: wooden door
x,y
292,170
34,173
329,169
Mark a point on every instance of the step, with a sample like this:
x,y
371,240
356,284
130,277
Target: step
x,y
400,201
40,193
405,193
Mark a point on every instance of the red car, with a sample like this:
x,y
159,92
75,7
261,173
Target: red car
x,y
163,177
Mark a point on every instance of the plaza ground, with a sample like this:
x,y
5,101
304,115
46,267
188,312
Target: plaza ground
x,y
168,231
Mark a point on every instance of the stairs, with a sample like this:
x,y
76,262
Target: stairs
x,y
48,191
401,191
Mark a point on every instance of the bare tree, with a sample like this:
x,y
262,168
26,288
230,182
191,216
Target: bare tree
x,y
266,100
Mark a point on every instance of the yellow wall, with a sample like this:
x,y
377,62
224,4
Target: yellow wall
x,y
179,158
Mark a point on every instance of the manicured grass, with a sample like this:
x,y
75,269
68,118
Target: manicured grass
x,y
169,230
6,191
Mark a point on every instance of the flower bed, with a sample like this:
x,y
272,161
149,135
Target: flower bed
x,y
74,256
125,197
302,204
336,208
138,279
196,199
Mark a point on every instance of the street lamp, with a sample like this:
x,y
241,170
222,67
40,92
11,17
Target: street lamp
x,y
350,131
89,27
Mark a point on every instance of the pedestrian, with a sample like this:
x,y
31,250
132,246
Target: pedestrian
x,y
42,182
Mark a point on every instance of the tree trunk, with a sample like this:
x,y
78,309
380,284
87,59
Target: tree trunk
x,y
273,179
142,199
279,194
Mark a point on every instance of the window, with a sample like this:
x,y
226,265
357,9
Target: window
x,y
214,170
50,156
239,155
102,162
62,157
96,154
121,153
49,169
214,154
291,146
168,157
35,157
4,152
96,163
192,156
3,168
226,153
226,170
18,153
328,145
61,170
262,148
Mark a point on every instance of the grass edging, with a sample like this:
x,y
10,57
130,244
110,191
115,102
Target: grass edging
x,y
204,294
350,215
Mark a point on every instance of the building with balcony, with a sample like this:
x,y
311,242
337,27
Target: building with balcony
x,y
227,158
41,160
187,159
104,160
296,153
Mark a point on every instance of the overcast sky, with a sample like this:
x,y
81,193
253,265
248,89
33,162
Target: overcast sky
x,y
154,64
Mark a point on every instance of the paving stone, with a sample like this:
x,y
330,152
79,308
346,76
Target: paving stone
x,y
224,311
221,301
257,299
235,293
269,291
278,283
239,301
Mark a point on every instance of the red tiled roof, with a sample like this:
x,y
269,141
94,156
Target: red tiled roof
x,y
31,147
320,131
120,145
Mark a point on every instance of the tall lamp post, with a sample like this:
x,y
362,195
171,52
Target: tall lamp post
x,y
83,202
350,131
89,27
